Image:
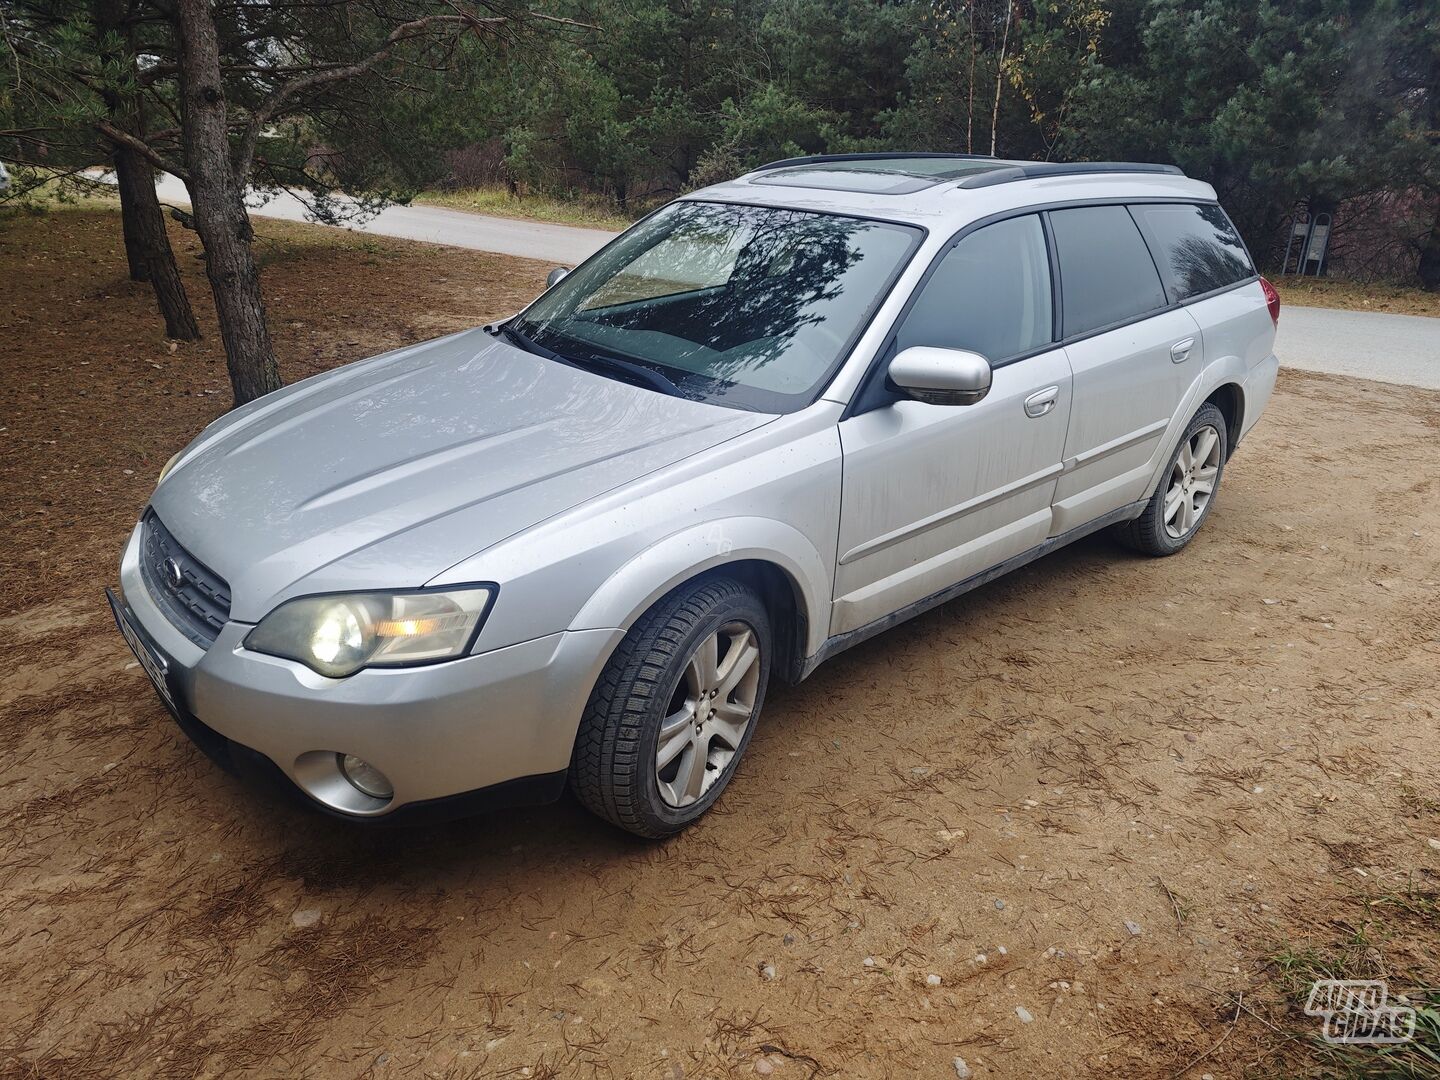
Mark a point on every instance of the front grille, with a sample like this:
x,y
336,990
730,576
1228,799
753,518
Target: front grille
x,y
192,596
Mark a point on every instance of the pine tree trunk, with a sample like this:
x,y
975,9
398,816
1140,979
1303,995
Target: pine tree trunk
x,y
1000,75
217,198
970,103
129,222
147,241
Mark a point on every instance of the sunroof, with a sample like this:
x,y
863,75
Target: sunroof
x,y
878,175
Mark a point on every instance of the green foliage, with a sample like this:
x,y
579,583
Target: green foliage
x,y
1273,102
61,69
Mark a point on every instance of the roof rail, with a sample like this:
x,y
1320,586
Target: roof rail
x,y
1033,170
823,159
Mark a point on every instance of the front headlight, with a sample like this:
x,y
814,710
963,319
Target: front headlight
x,y
339,635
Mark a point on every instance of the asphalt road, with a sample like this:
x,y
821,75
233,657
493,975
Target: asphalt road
x,y
561,244
1403,349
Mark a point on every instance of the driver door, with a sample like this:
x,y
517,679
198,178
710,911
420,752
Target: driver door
x,y
934,494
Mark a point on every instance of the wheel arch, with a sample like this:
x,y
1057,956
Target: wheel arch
x,y
1218,385
774,558
1229,398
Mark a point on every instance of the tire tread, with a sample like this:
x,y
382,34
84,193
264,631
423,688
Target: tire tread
x,y
1146,533
605,768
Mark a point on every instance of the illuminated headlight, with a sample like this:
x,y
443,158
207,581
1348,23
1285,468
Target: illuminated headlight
x,y
339,635
165,469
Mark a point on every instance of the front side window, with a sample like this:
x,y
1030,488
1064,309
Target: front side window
x,y
1196,246
1106,273
740,305
990,294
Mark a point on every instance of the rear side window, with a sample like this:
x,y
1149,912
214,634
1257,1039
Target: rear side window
x,y
1106,273
1196,246
990,294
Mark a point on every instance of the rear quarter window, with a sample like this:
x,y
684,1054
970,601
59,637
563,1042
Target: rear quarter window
x,y
1197,247
1106,273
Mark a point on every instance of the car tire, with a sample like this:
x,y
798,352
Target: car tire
x,y
1187,490
662,732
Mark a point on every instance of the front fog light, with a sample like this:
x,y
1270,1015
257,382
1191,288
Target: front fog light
x,y
365,778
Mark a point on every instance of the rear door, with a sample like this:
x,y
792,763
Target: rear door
x,y
1206,268
1132,356
933,494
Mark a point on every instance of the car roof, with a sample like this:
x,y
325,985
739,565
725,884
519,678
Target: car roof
x,y
945,189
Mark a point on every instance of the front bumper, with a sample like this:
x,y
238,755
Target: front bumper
x,y
448,731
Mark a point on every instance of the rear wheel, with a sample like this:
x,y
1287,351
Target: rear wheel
x,y
1187,491
674,709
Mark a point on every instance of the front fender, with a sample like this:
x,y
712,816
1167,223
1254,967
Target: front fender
x,y
632,589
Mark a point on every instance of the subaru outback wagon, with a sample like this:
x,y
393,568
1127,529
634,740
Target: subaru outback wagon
x,y
767,422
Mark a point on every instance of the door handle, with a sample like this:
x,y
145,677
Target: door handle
x,y
1180,351
1042,401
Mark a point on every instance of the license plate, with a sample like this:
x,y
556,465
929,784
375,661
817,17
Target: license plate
x,y
151,661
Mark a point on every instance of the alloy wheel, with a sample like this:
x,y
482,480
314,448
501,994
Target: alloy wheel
x,y
709,714
1192,482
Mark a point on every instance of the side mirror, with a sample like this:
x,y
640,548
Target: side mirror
x,y
552,278
941,376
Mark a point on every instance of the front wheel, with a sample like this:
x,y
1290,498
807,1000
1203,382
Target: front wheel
x,y
674,709
1187,491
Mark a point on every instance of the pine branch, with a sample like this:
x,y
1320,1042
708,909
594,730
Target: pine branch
x,y
141,147
245,151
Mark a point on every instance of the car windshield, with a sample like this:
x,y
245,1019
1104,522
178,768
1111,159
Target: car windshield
x,y
746,306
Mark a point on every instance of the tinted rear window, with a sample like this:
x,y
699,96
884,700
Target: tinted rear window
x,y
1106,273
1196,246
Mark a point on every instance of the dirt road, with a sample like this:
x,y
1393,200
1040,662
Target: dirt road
x,y
1123,809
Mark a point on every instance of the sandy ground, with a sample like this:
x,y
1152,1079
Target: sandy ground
x,y
1142,801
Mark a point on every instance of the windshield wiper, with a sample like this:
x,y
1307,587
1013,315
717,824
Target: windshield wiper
x,y
625,369
628,368
505,330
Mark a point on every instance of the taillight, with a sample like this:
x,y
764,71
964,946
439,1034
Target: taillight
x,y
1272,300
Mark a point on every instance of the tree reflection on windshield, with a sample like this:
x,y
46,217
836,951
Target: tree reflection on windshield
x,y
737,303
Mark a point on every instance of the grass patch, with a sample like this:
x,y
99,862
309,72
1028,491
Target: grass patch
x,y
1412,918
1354,296
590,211
34,193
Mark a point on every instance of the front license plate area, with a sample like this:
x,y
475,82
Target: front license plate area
x,y
153,664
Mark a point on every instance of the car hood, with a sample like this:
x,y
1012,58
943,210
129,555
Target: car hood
x,y
385,473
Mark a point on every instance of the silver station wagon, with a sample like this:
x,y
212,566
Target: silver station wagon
x,y
767,422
